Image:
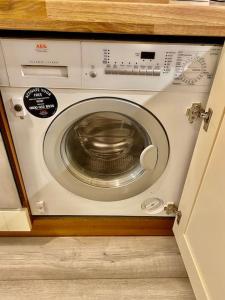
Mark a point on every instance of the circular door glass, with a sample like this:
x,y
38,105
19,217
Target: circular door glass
x,y
106,149
103,149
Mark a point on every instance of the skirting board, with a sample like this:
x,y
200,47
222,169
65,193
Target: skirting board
x,y
97,226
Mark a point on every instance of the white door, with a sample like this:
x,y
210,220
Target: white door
x,y
12,216
201,232
9,197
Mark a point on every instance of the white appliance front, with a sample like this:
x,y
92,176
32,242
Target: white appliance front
x,y
118,142
9,198
47,196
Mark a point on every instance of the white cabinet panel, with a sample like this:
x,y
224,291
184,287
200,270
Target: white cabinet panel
x,y
3,226
200,234
205,235
8,192
15,220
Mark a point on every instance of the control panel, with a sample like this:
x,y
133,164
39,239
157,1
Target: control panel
x,y
145,67
112,65
148,66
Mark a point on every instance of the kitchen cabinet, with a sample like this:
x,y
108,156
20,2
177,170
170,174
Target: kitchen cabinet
x,y
9,197
12,215
200,233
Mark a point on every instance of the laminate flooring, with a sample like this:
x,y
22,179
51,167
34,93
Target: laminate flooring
x,y
92,268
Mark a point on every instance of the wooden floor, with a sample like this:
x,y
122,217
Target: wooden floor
x,y
120,268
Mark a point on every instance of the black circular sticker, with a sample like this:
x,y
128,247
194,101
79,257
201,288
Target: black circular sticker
x,y
40,102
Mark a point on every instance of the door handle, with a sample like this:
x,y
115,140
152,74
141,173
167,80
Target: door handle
x,y
149,157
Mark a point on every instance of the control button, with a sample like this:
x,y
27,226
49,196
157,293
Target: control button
x,y
114,70
108,69
122,70
129,70
18,107
143,70
149,71
135,70
156,72
92,74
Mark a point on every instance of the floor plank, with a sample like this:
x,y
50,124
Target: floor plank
x,y
98,289
90,258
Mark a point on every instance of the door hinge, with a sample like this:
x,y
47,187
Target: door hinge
x,y
170,209
196,111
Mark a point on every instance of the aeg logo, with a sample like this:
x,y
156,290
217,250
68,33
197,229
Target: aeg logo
x,y
41,47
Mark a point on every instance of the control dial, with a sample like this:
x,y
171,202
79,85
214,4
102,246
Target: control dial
x,y
193,70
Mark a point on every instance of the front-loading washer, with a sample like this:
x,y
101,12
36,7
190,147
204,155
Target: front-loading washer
x,y
100,128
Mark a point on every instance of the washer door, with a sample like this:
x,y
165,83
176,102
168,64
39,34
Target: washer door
x,y
106,149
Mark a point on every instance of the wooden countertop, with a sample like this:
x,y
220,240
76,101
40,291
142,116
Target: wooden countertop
x,y
116,16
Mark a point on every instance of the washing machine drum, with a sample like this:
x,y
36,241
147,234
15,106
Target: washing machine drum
x,y
106,149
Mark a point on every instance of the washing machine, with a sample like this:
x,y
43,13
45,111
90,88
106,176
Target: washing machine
x,y
100,127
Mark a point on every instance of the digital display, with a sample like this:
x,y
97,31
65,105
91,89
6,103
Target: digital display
x,y
147,55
